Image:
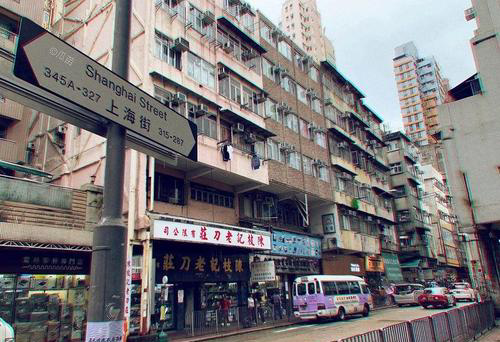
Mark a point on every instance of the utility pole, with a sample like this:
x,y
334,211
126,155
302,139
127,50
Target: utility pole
x,y
109,249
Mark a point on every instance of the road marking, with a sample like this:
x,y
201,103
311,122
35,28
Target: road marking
x,y
293,328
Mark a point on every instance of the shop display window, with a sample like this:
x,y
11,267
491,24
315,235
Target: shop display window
x,y
45,308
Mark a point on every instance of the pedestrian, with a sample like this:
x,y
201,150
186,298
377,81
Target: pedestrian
x,y
225,304
252,317
278,311
258,305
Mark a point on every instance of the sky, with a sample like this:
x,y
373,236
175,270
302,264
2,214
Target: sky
x,y
365,32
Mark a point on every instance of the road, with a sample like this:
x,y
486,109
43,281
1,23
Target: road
x,y
334,330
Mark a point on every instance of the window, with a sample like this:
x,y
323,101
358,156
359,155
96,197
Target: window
x,y
248,100
320,139
267,69
329,288
396,168
273,150
201,71
354,287
324,173
213,196
235,91
265,32
207,124
313,74
285,49
292,122
301,289
311,288
165,52
342,287
304,129
307,165
293,160
316,105
272,112
289,85
301,94
169,189
196,19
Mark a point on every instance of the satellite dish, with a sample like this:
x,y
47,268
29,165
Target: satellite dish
x,y
164,280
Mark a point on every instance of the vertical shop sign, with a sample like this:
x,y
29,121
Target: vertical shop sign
x,y
262,271
128,287
328,223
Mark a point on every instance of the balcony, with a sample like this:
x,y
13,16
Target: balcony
x,y
385,213
11,109
343,164
8,150
418,249
358,242
388,245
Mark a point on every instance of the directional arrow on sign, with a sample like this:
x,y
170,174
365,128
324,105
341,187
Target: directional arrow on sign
x,y
48,62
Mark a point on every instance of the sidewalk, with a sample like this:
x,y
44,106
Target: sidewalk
x,y
247,330
491,336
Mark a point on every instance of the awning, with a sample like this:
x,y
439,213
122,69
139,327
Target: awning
x,y
248,122
246,38
411,264
24,169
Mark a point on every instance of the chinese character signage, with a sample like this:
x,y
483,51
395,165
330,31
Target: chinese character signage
x,y
392,267
262,271
285,243
211,264
374,264
185,232
45,262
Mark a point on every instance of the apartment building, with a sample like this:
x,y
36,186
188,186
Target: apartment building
x,y
470,147
437,199
417,239
362,216
421,89
301,21
287,153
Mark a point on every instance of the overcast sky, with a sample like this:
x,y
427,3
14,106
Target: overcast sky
x,y
365,33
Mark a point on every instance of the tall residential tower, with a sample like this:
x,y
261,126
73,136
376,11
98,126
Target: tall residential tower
x,y
421,89
301,20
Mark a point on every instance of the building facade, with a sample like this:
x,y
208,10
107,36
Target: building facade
x,y
292,174
417,239
301,21
421,89
470,150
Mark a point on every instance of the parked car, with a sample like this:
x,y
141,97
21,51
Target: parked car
x,y
437,297
407,294
463,291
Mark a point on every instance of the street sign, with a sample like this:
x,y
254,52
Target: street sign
x,y
48,62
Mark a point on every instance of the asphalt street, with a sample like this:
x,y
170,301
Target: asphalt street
x,y
333,330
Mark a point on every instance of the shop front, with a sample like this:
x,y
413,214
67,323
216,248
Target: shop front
x,y
292,255
199,270
44,293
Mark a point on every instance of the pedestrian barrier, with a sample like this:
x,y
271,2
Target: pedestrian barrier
x,y
457,325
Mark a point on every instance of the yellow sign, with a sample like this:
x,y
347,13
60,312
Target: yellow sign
x,y
374,264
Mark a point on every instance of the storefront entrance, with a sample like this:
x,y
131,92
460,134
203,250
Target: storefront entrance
x,y
44,293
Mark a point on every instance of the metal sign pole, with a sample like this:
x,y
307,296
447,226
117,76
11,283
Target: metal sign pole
x,y
107,287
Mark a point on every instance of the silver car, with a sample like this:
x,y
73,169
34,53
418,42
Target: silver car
x,y
407,294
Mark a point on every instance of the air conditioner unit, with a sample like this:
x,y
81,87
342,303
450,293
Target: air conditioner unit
x,y
384,179
201,110
250,138
248,55
223,73
178,99
283,107
245,8
260,98
208,18
30,146
328,102
181,44
61,129
344,175
311,93
332,243
227,47
240,127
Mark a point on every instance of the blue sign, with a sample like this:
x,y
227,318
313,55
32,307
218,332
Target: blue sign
x,y
285,243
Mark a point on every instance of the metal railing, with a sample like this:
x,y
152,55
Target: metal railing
x,y
207,322
458,325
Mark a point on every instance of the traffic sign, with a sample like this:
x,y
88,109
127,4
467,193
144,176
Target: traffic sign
x,y
48,62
